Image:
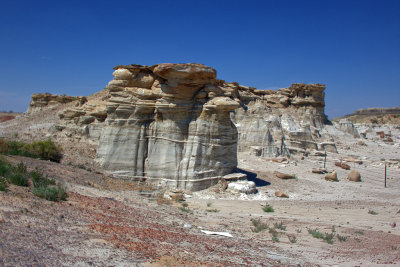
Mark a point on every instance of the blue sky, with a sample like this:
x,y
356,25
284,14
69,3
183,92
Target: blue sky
x,y
71,46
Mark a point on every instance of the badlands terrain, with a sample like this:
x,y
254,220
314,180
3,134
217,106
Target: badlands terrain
x,y
114,219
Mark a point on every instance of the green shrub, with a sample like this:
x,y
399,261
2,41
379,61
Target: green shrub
x,y
5,168
50,193
280,226
3,184
46,149
18,175
258,225
39,180
268,208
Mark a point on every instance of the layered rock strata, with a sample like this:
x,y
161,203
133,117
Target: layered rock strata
x,y
44,101
166,124
290,120
177,125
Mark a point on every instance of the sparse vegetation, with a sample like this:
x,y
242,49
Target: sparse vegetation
x,y
18,175
292,238
280,226
258,225
341,238
212,210
372,212
275,239
209,204
51,193
268,208
360,232
41,186
327,237
46,149
3,184
184,207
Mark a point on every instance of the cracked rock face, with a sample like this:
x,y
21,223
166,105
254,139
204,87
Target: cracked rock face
x,y
161,127
284,122
177,125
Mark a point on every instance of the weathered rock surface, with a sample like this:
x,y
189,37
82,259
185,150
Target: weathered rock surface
x,y
163,125
332,177
43,101
354,176
281,194
246,187
290,120
284,176
177,125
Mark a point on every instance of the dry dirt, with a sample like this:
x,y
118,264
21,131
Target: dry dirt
x,y
107,222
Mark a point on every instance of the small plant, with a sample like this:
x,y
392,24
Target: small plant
x,y
280,226
209,204
18,175
292,238
298,231
328,238
273,232
184,207
212,210
258,225
360,232
268,208
333,229
315,233
50,193
275,239
341,238
39,181
294,176
372,212
3,184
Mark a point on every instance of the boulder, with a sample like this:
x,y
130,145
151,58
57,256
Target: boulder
x,y
247,187
342,165
332,177
281,194
354,176
284,176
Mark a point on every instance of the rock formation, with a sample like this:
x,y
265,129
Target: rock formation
x,y
166,124
44,101
290,120
178,125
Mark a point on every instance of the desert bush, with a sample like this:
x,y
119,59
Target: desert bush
x,y
51,193
18,175
5,167
38,180
3,184
3,146
328,238
341,238
280,226
258,225
46,149
292,238
268,208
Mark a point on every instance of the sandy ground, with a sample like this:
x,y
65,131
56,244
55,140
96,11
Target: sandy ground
x,y
106,222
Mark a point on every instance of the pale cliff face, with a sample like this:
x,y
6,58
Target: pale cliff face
x,y
162,126
177,125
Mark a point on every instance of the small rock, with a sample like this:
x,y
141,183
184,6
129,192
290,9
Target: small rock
x,y
247,187
281,194
320,171
342,165
282,175
332,176
361,143
187,225
354,176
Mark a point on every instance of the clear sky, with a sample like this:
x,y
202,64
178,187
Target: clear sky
x,y
71,46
